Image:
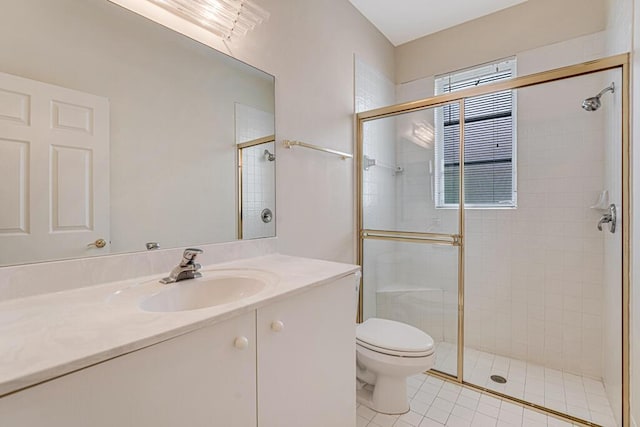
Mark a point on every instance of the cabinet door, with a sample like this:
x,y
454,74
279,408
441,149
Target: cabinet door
x,y
306,363
198,379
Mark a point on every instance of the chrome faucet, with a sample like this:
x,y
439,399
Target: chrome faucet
x,y
187,269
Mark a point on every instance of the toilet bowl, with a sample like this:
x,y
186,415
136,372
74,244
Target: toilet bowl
x,y
387,352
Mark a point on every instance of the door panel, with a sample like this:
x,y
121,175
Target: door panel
x,y
15,106
403,174
71,190
417,284
14,162
55,147
411,224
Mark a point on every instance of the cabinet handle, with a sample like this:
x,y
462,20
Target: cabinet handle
x,y
277,326
241,343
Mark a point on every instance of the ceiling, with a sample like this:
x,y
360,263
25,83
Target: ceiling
x,y
404,20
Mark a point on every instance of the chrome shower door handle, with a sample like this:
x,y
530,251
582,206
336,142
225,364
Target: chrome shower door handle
x,y
610,218
604,219
266,215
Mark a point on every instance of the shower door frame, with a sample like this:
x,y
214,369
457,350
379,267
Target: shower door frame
x,y
239,147
609,63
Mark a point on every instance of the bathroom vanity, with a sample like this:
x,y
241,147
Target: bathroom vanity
x,y
284,356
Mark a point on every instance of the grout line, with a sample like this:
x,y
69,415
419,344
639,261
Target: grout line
x,y
504,365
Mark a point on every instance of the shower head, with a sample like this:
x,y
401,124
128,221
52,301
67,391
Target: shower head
x,y
593,103
269,156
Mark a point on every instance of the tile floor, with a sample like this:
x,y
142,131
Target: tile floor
x,y
578,396
435,402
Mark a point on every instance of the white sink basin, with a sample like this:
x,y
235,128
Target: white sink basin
x,y
215,287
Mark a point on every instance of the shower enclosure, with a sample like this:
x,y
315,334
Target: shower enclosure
x,y
487,239
256,188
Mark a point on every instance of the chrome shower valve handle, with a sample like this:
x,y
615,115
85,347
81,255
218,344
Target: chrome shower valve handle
x,y
610,217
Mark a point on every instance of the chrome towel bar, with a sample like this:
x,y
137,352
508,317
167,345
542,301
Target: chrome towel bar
x,y
288,144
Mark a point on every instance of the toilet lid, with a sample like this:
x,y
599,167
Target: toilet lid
x,y
394,336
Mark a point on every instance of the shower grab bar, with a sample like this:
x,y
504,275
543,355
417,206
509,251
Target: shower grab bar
x,y
432,238
417,234
288,144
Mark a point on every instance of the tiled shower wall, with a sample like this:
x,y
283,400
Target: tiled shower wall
x,y
534,274
372,90
424,291
258,191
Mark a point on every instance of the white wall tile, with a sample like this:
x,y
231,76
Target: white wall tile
x,y
258,191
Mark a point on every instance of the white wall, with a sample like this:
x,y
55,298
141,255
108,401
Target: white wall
x,y
526,26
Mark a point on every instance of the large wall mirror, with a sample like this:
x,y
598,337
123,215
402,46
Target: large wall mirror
x,y
120,135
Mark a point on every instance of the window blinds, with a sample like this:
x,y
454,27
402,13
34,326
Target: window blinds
x,y
489,139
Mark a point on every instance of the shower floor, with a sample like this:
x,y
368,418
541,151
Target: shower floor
x,y
575,395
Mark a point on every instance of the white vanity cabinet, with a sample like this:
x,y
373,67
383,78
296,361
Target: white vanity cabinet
x,y
307,360
286,364
198,379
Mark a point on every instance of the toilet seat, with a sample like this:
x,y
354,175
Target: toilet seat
x,y
394,338
395,353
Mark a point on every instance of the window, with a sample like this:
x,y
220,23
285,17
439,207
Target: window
x,y
489,162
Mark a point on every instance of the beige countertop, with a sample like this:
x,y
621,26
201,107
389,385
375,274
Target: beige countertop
x,y
46,336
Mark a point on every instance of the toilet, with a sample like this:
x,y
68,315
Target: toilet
x,y
387,352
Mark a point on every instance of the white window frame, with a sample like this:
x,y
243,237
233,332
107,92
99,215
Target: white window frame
x,y
458,76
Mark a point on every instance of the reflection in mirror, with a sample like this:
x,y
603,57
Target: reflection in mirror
x,y
117,130
256,156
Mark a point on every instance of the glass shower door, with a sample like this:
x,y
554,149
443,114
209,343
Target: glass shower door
x,y
257,193
543,288
410,225
528,290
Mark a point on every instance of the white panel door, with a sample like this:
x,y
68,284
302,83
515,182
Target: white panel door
x,y
54,157
307,358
